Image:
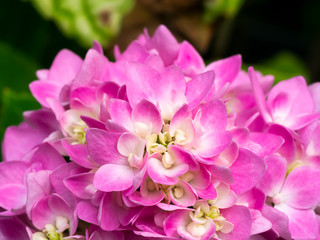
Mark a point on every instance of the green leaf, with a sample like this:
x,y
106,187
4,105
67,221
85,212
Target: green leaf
x,y
13,105
282,66
16,69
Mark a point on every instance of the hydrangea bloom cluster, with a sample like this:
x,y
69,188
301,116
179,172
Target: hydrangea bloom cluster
x,y
157,145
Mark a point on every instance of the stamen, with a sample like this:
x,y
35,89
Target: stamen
x,y
196,229
178,192
167,160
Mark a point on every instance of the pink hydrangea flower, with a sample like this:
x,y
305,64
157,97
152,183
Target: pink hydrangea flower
x,y
157,145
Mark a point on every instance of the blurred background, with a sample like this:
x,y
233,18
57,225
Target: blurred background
x,y
277,37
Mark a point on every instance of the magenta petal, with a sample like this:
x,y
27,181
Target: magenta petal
x,y
12,229
302,223
120,179
13,196
97,140
38,185
19,140
288,148
247,171
13,172
240,217
269,143
43,90
151,199
86,211
48,156
181,156
279,221
108,215
78,153
42,214
81,185
301,188
273,179
173,221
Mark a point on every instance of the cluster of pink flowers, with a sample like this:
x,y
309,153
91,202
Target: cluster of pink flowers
x,y
157,145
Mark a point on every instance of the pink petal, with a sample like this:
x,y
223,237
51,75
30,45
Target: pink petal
x,y
302,223
240,217
188,199
141,82
97,140
226,70
288,148
247,171
279,221
48,157
259,223
78,153
162,175
44,90
273,178
13,196
259,95
189,60
198,88
120,112
130,143
87,212
301,188
81,185
147,113
165,43
120,179
108,216
64,67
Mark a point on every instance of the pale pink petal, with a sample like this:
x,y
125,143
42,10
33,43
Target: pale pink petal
x,y
148,114
301,188
131,144
182,195
120,179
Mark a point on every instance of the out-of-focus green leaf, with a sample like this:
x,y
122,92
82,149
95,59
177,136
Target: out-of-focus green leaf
x,y
218,8
16,69
86,20
283,66
13,105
